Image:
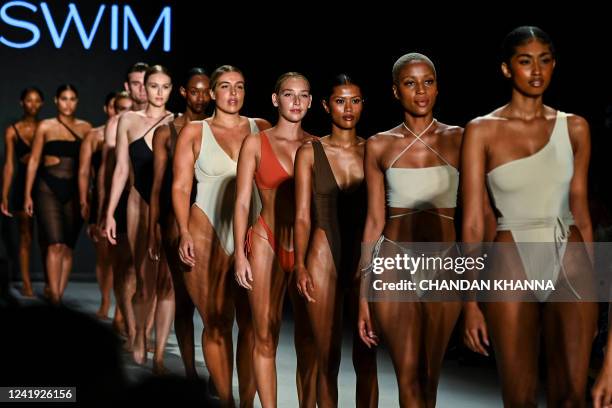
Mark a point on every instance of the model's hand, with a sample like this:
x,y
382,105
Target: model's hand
x,y
4,207
110,230
365,326
242,272
475,333
92,232
153,246
186,250
28,206
304,282
602,390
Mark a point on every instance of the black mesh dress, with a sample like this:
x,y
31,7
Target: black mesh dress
x,y
56,198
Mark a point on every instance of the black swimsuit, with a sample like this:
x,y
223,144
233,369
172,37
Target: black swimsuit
x,y
22,149
341,215
57,204
142,163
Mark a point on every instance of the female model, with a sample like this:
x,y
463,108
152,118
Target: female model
x,y
162,222
412,180
532,154
329,179
209,149
57,143
18,141
266,266
135,159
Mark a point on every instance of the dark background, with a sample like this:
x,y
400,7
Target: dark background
x,y
363,39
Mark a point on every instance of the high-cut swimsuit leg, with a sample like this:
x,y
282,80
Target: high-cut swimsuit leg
x,y
270,175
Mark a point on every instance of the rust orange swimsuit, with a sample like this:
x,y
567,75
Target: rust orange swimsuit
x,y
269,176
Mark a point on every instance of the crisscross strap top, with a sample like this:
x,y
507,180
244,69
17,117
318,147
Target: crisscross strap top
x,y
421,188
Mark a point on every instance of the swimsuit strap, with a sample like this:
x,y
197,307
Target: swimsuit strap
x,y
401,153
423,210
156,123
13,125
74,134
417,137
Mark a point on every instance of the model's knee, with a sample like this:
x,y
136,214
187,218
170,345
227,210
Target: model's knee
x,y
410,388
144,293
266,344
165,290
25,239
521,399
218,327
569,397
55,250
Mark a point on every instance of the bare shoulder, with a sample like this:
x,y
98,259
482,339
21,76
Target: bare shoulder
x,y
130,116
46,123
382,140
578,129
262,124
482,127
305,151
94,134
83,124
162,131
577,124
309,137
190,130
112,122
10,132
451,132
252,140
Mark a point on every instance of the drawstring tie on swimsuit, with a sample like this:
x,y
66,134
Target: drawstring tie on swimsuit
x,y
561,233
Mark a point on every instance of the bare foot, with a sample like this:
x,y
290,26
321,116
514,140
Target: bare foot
x,y
192,374
159,368
26,291
150,347
119,327
128,346
100,314
139,354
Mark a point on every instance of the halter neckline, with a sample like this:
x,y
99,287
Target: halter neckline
x,y
418,136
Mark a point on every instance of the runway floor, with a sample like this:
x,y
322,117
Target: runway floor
x,y
461,384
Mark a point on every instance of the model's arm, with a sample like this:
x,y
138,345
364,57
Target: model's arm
x,y
35,155
185,153
120,176
301,233
7,173
473,160
579,205
247,163
160,160
374,226
87,148
101,185
110,136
